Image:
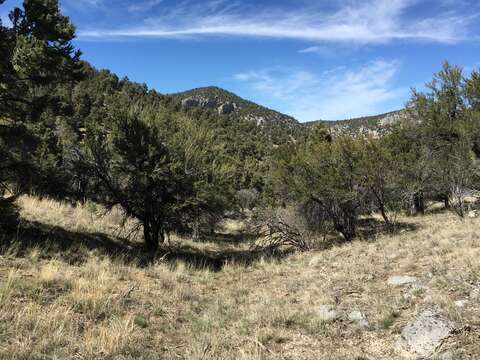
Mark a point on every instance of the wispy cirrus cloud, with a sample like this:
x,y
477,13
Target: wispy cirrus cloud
x,y
337,94
89,2
83,6
371,21
142,6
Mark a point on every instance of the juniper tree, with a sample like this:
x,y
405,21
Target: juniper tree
x,y
327,174
135,170
444,134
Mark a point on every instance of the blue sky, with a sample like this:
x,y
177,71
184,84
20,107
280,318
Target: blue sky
x,y
313,59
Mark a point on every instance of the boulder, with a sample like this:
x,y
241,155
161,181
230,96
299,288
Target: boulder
x,y
425,334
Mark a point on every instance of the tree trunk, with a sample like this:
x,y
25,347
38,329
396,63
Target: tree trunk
x,y
383,211
151,235
419,203
196,230
347,228
446,201
348,232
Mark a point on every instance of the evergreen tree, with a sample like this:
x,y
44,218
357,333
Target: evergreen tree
x,y
36,56
444,136
136,171
327,174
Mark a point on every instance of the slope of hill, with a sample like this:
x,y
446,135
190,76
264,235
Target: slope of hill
x,y
229,104
376,125
62,298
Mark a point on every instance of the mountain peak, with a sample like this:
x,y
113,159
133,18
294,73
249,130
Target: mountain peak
x,y
227,103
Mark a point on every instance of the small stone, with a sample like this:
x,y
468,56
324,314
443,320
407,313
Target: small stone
x,y
401,280
475,294
461,303
472,214
423,336
447,355
327,313
359,318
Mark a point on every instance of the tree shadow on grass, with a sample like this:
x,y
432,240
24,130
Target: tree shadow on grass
x,y
76,248
229,239
216,260
370,228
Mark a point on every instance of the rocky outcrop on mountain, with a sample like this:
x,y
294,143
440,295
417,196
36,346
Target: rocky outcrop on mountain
x,y
226,108
392,118
228,104
372,126
199,101
223,108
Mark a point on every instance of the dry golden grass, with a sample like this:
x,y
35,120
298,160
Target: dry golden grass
x,y
90,218
105,308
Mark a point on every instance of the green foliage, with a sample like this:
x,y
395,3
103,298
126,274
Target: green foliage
x,y
326,174
73,132
135,170
8,218
36,57
380,177
428,156
444,138
361,125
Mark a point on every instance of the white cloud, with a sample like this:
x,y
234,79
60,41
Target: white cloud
x,y
90,2
371,21
337,94
322,51
82,5
144,6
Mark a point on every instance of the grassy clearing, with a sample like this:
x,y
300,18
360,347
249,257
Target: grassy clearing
x,y
104,307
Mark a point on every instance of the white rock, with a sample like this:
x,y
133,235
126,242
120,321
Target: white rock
x,y
425,334
475,294
461,303
447,355
327,313
472,214
401,280
359,318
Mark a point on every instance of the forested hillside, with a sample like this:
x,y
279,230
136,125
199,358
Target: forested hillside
x,y
376,126
227,103
180,163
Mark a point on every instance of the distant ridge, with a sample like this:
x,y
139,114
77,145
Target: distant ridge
x,y
228,104
376,125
